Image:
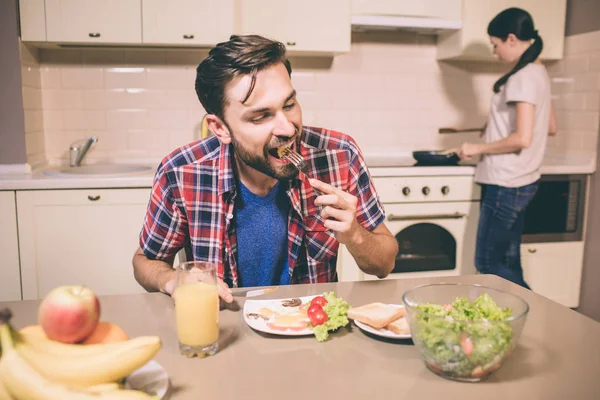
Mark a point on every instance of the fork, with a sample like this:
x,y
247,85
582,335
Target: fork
x,y
296,160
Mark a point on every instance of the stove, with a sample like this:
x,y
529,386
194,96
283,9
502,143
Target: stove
x,y
434,219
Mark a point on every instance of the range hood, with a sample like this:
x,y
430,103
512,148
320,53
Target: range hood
x,y
424,25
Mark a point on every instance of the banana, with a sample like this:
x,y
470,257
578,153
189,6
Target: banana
x,y
4,395
103,387
111,365
48,346
24,383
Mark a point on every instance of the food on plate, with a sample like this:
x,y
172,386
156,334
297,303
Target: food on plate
x,y
320,315
464,338
295,321
337,316
106,332
399,326
319,300
316,315
377,315
35,368
69,314
295,302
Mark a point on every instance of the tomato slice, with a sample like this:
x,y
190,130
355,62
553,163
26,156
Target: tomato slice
x,y
320,300
313,309
318,317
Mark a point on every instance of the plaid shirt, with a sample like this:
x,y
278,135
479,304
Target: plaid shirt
x,y
192,205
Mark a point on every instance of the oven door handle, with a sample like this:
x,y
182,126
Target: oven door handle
x,y
457,215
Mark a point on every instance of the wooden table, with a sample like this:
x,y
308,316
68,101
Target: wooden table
x,y
558,355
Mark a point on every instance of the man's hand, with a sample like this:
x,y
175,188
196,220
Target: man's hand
x,y
339,212
222,288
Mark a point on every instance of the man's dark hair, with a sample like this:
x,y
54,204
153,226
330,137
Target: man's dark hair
x,y
240,55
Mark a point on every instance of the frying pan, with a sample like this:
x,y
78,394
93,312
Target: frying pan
x,y
435,157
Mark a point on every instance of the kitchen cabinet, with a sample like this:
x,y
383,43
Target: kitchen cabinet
x,y
187,22
94,21
472,41
554,270
446,9
32,19
309,26
79,237
10,280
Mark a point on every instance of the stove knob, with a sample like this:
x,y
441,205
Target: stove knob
x,y
445,190
426,191
406,190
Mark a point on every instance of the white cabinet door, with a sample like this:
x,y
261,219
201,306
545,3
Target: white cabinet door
x,y
187,22
32,18
309,26
94,21
472,41
446,9
10,279
554,270
80,237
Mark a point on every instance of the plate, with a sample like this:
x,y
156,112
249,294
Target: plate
x,y
259,324
383,332
150,378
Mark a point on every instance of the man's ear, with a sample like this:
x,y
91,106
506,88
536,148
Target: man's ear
x,y
219,128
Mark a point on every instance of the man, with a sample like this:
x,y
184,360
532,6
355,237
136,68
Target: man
x,y
231,201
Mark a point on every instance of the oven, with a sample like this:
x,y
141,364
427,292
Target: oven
x,y
434,220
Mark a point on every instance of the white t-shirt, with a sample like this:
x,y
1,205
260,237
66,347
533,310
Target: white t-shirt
x,y
531,84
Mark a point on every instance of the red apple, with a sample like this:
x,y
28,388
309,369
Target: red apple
x,y
69,314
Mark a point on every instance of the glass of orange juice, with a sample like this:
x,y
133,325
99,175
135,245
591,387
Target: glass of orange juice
x,y
197,308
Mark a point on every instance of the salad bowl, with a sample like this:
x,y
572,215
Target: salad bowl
x,y
464,332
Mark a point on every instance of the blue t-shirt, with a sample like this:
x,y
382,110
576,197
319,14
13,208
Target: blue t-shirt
x,y
262,237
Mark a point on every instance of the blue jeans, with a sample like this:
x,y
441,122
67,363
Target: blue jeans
x,y
501,224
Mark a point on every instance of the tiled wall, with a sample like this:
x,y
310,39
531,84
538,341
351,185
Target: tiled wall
x,y
389,93
576,89
32,104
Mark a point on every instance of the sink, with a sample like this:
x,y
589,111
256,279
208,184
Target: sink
x,y
98,170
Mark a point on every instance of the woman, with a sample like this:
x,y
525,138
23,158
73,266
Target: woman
x,y
521,117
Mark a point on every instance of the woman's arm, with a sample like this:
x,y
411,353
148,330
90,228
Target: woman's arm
x,y
520,139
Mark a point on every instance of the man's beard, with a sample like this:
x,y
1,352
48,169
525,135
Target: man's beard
x,y
261,162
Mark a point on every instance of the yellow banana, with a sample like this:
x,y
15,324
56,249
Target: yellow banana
x,y
4,395
24,383
103,387
108,366
48,346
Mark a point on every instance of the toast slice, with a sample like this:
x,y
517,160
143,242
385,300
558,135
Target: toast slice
x,y
399,326
377,315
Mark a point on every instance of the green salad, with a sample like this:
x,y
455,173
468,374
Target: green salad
x,y
465,340
337,316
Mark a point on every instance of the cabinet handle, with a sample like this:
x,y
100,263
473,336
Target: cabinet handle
x,y
532,250
393,217
94,198
188,36
94,35
291,43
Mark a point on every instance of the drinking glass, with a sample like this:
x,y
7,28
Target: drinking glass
x,y
197,308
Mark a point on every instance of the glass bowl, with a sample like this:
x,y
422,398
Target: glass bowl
x,y
458,342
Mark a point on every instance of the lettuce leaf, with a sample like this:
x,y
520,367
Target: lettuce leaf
x,y
337,313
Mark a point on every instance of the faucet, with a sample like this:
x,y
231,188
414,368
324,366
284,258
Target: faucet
x,y
79,149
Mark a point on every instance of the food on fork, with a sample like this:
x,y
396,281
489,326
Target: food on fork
x,y
377,315
282,151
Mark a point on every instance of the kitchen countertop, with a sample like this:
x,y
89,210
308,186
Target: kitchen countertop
x,y
401,164
554,358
